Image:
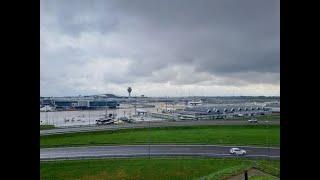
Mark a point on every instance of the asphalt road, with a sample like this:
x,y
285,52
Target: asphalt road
x,y
145,125
93,152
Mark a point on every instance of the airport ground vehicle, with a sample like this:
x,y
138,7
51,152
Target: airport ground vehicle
x,y
237,151
104,121
254,120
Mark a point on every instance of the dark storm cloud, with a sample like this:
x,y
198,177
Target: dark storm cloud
x,y
222,42
219,37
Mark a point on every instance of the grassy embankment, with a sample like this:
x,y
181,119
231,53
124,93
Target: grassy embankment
x,y
154,168
272,117
44,127
256,135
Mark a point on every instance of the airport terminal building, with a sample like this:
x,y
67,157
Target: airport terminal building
x,y
78,103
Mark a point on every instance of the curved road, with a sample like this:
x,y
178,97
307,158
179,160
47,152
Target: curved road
x,y
146,124
155,150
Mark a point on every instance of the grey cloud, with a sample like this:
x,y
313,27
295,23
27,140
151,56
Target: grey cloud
x,y
224,42
118,79
76,16
219,36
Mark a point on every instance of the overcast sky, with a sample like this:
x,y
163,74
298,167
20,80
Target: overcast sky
x,y
160,47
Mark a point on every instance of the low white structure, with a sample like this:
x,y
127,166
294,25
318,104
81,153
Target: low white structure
x,y
46,109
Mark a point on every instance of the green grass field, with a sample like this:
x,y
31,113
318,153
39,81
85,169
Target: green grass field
x,y
44,127
154,168
258,135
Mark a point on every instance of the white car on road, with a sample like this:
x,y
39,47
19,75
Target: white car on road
x,y
237,151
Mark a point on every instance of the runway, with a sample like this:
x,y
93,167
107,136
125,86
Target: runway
x,y
146,124
93,152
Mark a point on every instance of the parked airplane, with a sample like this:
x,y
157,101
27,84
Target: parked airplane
x,y
194,103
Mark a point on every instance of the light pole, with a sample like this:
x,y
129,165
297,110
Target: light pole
x,y
267,140
149,139
52,117
89,117
47,117
135,106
